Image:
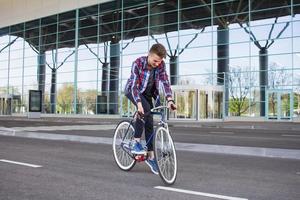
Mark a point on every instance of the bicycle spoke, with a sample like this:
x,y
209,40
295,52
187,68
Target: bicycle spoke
x,y
168,168
165,156
122,137
124,157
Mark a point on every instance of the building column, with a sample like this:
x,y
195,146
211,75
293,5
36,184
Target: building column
x,y
263,79
102,105
174,70
114,76
53,91
223,62
41,73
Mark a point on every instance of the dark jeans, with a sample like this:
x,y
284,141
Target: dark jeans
x,y
140,125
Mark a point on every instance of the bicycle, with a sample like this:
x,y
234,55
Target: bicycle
x,y
163,147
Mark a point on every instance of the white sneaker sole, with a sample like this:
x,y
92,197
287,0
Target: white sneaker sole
x,y
138,152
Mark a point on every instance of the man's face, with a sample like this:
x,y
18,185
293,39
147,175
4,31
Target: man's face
x,y
154,60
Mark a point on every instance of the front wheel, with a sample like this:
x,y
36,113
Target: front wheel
x,y
165,155
121,146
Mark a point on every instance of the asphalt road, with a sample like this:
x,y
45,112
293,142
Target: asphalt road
x,y
71,171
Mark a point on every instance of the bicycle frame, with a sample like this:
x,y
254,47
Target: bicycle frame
x,y
162,122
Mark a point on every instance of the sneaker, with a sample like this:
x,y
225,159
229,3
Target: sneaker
x,y
137,148
153,166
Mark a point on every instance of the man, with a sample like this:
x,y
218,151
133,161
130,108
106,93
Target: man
x,y
142,86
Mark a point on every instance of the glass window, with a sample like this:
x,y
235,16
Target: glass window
x,y
254,102
86,98
210,104
280,67
296,40
218,105
240,83
65,98
296,94
203,103
186,101
163,16
194,14
4,55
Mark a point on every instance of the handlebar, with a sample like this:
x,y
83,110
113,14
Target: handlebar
x,y
158,107
153,111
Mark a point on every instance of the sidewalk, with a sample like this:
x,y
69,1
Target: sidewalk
x,y
100,130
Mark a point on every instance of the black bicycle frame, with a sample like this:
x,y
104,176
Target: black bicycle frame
x,y
161,123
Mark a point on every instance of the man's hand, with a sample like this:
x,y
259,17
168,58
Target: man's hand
x,y
171,105
140,108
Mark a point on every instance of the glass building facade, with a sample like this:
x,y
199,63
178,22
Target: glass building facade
x,y
225,59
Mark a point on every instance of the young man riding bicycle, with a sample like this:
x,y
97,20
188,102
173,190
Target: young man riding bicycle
x,y
142,87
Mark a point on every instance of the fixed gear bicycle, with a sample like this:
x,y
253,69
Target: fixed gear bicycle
x,y
163,147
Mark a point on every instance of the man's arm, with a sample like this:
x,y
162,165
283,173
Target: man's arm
x,y
135,83
134,89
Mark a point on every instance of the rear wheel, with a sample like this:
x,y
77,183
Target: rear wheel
x,y
121,146
165,155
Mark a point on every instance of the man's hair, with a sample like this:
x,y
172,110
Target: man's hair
x,y
159,50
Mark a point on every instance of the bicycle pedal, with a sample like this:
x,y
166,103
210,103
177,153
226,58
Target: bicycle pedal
x,y
140,158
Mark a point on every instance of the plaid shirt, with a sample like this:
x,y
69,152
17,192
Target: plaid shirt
x,y
139,77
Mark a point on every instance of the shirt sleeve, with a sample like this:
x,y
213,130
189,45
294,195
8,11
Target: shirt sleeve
x,y
135,82
164,79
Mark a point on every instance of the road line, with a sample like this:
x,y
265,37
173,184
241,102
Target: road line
x,y
199,193
285,135
21,163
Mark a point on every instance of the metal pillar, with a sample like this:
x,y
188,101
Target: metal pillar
x,y
174,70
263,79
102,99
41,73
114,76
223,62
53,91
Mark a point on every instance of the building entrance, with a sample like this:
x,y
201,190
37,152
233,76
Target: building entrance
x,y
5,105
279,104
198,102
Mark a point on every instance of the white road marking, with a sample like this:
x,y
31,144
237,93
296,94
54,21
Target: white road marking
x,y
214,132
285,135
199,193
21,163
